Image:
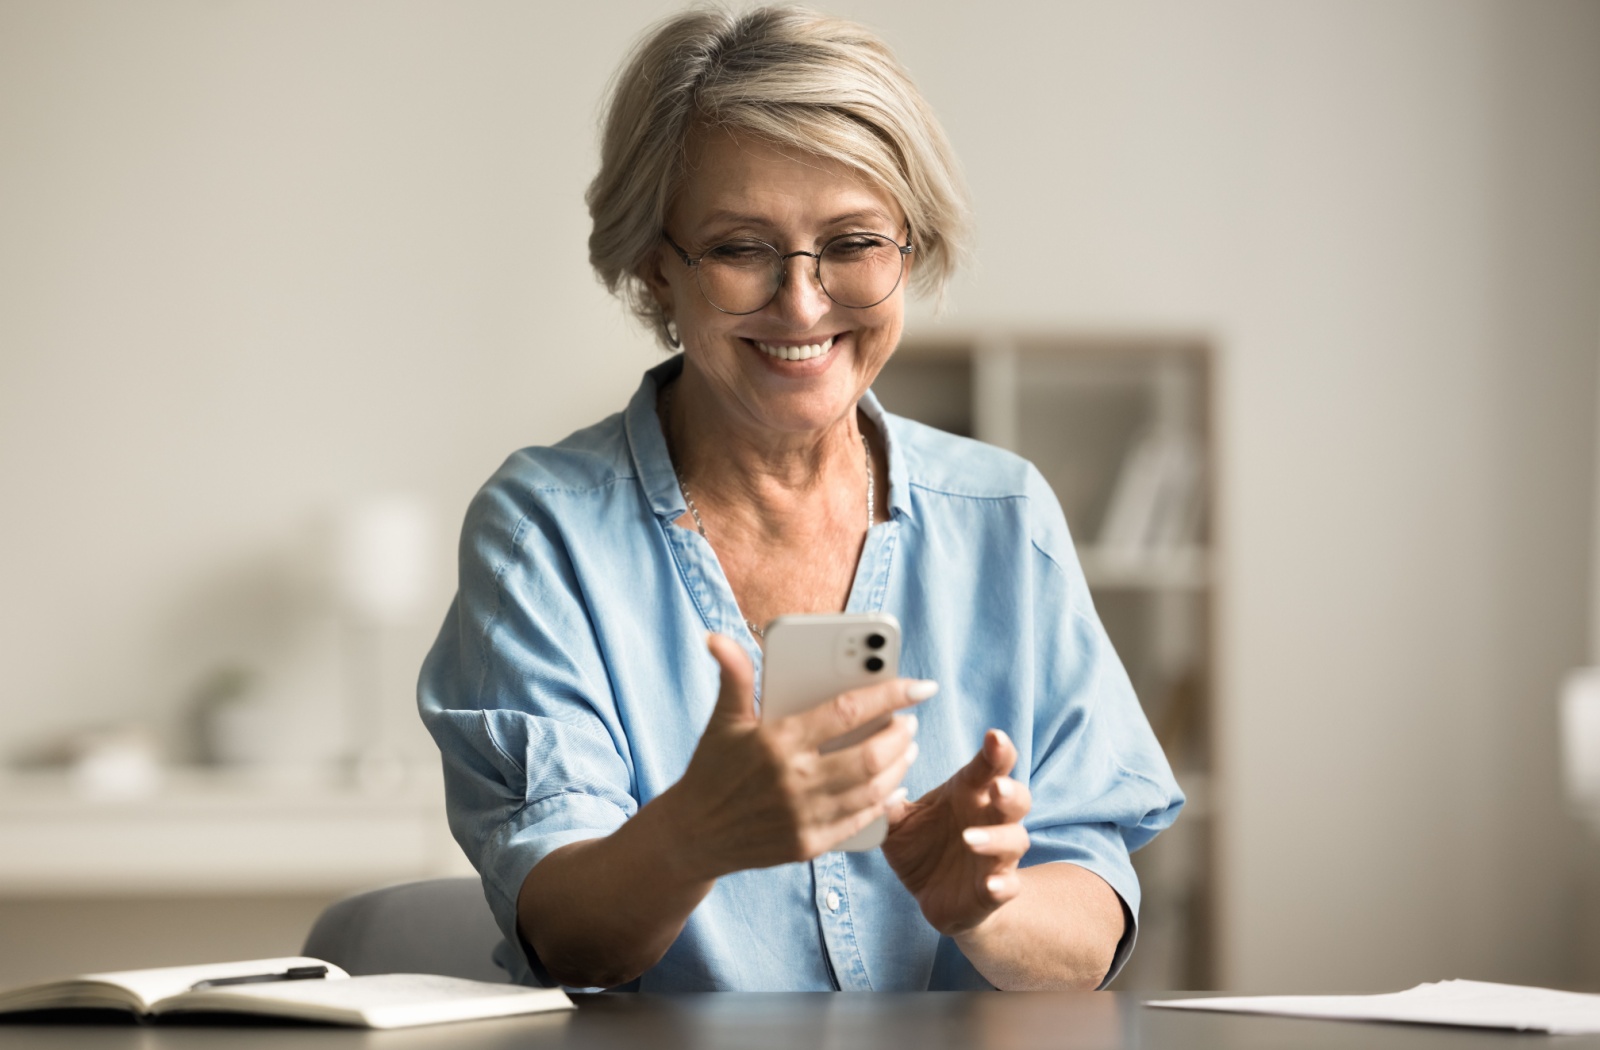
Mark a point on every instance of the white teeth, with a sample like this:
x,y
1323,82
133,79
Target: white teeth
x,y
797,353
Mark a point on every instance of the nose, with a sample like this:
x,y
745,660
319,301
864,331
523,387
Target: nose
x,y
800,301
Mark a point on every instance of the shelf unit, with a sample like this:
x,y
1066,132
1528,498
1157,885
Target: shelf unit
x,y
211,833
1078,406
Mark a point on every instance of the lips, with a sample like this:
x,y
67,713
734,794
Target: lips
x,y
796,353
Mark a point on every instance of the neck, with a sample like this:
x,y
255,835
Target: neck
x,y
755,477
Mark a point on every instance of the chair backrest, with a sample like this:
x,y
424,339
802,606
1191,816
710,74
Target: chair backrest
x,y
438,926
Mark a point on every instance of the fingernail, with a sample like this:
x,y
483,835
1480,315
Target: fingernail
x,y
910,724
976,836
995,884
1004,787
899,794
921,689
911,752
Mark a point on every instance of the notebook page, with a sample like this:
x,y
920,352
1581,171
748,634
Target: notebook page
x,y
156,984
394,1000
1476,1004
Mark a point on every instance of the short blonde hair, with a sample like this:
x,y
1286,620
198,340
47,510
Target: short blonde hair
x,y
795,77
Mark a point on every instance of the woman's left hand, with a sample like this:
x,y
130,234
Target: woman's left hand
x,y
957,847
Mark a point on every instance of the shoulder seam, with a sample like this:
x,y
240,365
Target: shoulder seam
x,y
613,478
492,619
1077,611
988,497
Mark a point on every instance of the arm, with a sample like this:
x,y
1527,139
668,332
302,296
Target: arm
x,y
600,912
957,849
1060,931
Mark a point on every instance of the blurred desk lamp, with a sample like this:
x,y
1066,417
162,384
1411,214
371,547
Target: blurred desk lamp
x,y
380,574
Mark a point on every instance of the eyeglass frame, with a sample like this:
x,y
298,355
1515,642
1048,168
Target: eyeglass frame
x,y
783,259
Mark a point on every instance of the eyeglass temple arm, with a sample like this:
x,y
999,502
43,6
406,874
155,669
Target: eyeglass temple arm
x,y
687,260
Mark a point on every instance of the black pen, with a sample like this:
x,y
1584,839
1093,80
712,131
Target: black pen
x,y
293,973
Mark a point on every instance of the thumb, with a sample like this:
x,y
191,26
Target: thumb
x,y
995,758
736,697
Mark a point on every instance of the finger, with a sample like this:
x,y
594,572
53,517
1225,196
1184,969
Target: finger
x,y
858,707
1009,800
897,806
847,767
736,696
995,758
1000,751
876,791
1007,842
846,827
999,889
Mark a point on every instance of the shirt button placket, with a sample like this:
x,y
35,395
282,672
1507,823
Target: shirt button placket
x,y
838,928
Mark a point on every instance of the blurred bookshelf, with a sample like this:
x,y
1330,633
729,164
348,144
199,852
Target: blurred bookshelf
x,y
1120,424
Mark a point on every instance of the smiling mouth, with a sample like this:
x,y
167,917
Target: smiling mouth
x,y
796,353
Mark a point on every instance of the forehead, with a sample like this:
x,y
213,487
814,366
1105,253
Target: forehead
x,y
738,180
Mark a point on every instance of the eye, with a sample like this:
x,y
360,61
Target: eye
x,y
855,246
738,253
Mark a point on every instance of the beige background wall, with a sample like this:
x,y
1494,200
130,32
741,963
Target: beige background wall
x,y
259,259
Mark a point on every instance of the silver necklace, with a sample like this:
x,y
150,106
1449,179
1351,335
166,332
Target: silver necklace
x,y
694,511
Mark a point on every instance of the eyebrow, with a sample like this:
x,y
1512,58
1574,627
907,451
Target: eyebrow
x,y
735,218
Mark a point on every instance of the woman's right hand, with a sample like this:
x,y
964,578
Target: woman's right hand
x,y
760,793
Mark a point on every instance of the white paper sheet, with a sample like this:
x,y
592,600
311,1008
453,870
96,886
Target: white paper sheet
x,y
1476,1004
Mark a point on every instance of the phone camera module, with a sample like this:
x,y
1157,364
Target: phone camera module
x,y
874,664
875,641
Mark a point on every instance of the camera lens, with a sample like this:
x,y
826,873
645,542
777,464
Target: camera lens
x,y
875,641
874,664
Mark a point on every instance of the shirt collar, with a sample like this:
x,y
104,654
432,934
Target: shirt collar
x,y
899,501
649,445
650,458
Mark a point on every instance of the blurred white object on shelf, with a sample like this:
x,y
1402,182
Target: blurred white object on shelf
x,y
381,557
1580,741
1158,503
381,580
115,764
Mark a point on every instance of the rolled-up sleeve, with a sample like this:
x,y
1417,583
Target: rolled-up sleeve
x,y
519,704
1100,782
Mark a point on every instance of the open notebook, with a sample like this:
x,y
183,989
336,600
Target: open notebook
x,y
299,988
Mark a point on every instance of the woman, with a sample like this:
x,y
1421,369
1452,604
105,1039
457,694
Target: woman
x,y
770,183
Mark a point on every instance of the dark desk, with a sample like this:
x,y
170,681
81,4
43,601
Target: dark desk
x,y
930,1021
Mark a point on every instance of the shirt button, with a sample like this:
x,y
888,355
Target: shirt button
x,y
832,900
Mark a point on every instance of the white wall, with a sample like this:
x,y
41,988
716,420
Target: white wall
x,y
256,258
259,259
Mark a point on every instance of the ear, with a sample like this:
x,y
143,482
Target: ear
x,y
654,276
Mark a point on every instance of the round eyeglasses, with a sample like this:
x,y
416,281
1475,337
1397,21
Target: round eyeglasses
x,y
857,270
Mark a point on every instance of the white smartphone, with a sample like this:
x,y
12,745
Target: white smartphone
x,y
811,659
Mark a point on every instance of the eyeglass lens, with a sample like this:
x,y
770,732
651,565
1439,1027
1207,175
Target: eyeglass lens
x,y
857,270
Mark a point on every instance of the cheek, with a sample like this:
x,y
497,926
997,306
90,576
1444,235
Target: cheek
x,y
883,333
681,295
701,327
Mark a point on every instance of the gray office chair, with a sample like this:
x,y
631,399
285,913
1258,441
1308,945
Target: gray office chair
x,y
434,926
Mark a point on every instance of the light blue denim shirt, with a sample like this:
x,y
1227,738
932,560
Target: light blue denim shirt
x,y
570,684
